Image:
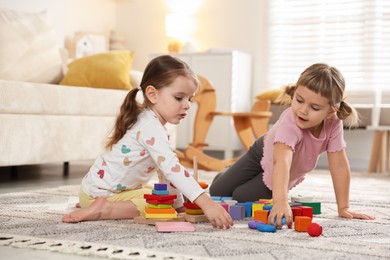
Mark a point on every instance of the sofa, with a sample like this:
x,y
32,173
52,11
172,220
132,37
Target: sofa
x,y
53,111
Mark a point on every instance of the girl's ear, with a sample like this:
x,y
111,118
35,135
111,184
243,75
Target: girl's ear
x,y
151,94
332,111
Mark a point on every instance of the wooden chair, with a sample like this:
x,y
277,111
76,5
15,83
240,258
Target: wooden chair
x,y
249,126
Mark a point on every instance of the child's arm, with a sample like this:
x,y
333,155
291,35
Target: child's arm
x,y
280,179
341,176
215,213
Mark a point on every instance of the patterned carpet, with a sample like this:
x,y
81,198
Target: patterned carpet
x,y
32,219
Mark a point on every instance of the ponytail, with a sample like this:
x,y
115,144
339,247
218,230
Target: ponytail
x,y
127,117
348,114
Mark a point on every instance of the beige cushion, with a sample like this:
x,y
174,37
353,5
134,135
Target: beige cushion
x,y
271,94
104,70
29,49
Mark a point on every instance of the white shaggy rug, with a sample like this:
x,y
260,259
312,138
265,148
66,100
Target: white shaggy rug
x,y
32,219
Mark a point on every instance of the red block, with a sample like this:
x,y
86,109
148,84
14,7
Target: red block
x,y
160,197
156,202
190,205
307,211
297,211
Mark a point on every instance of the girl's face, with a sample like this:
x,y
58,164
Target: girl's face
x,y
171,103
310,109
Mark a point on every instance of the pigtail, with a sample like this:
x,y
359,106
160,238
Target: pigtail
x,y
348,115
127,117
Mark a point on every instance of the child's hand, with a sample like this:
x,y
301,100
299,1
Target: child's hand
x,y
215,213
346,213
279,211
218,216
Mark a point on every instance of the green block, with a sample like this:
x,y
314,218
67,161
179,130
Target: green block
x,y
315,205
160,206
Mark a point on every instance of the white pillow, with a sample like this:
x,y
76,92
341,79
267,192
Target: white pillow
x,y
29,49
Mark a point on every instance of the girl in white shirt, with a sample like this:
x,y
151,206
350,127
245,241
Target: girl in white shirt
x,y
139,147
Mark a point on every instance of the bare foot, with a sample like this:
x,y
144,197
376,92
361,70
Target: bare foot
x,y
98,210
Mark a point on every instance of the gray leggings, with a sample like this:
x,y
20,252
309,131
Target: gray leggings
x,y
244,179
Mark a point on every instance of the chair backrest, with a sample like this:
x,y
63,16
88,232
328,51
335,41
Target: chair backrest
x,y
206,100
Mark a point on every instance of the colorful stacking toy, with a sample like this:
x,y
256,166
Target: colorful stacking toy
x,y
160,203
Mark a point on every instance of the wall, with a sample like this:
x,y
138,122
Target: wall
x,y
239,26
71,16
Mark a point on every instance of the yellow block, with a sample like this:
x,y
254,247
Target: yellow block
x,y
162,216
194,211
256,206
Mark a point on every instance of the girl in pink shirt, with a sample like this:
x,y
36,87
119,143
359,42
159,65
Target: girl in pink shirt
x,y
280,159
114,187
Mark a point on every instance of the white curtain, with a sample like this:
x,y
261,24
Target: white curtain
x,y
352,35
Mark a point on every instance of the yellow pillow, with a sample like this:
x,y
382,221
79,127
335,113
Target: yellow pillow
x,y
270,94
104,70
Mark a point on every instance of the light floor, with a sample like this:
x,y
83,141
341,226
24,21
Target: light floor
x,y
38,177
375,186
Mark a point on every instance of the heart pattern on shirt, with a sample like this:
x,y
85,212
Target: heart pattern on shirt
x,y
101,174
150,141
173,186
104,163
176,168
125,149
150,169
142,153
120,187
126,161
160,159
187,174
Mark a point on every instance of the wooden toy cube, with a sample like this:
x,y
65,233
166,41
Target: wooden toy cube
x,y
256,206
315,205
297,211
237,212
261,215
302,223
307,211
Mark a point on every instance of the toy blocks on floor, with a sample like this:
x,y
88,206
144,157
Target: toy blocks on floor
x,y
313,204
256,206
261,215
307,201
159,207
237,212
302,223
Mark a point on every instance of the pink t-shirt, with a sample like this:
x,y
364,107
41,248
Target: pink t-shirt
x,y
306,148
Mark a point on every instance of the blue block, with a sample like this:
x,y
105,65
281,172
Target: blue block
x,y
216,198
267,207
160,192
266,228
226,198
248,208
283,221
160,186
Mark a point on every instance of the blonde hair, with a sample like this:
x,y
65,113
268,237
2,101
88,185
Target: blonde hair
x,y
329,83
159,73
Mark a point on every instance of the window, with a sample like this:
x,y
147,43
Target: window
x,y
352,35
